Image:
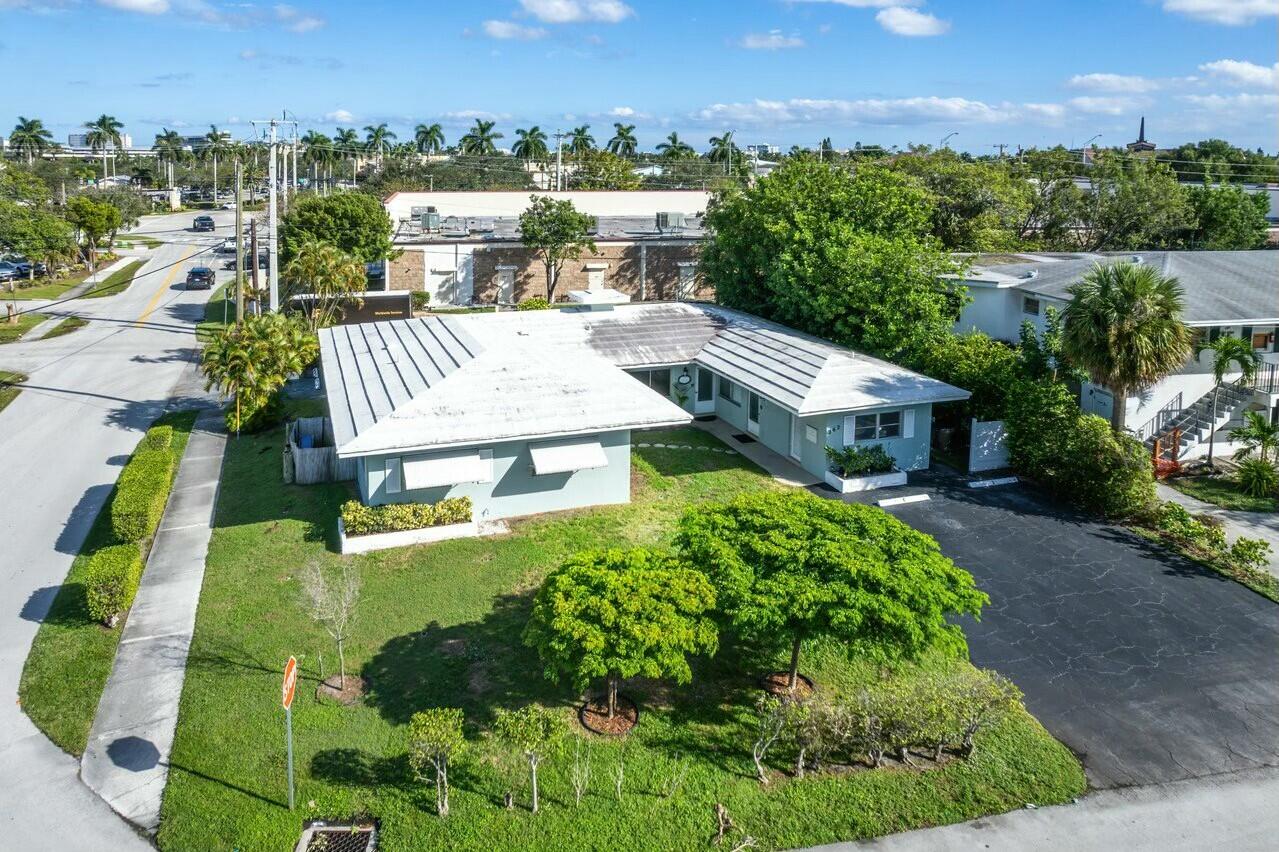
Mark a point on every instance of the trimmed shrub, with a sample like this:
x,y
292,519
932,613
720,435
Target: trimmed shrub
x,y
536,303
1251,554
1203,532
111,580
140,496
859,461
157,438
1258,478
358,519
421,300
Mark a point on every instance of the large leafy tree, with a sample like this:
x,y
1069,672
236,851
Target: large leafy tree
x,y
480,139
531,144
93,219
601,169
558,232
354,222
1132,203
977,206
790,566
841,255
30,138
1053,198
623,143
1228,354
1227,217
1123,327
616,614
329,277
36,233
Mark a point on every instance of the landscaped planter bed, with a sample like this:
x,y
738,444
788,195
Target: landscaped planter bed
x,y
403,538
867,482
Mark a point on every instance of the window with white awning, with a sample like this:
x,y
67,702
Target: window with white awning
x,y
567,456
452,468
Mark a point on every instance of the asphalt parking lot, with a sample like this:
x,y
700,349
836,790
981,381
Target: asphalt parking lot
x,y
1150,667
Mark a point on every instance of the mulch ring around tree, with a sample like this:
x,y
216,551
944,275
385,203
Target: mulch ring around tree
x,y
594,716
778,683
346,691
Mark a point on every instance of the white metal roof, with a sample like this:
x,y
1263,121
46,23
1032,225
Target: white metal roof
x,y
542,374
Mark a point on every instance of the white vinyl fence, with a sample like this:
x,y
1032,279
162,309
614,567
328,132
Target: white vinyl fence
x,y
988,448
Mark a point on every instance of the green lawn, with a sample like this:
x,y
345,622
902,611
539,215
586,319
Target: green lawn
x,y
67,326
215,311
130,241
11,332
71,656
116,282
439,625
1222,491
50,289
10,387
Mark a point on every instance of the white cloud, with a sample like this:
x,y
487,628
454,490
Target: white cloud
x,y
622,112
294,20
341,116
1246,74
1234,103
1102,105
145,7
1047,112
771,40
576,11
1114,83
1232,13
864,4
908,22
512,30
469,115
894,111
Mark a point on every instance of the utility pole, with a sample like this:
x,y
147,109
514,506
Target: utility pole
x,y
273,210
239,247
253,263
294,154
559,161
1001,146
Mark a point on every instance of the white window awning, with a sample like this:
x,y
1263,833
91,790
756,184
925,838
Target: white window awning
x,y
452,468
567,456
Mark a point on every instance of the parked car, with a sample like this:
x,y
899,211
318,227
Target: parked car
x,y
203,223
8,271
263,262
200,278
24,265
227,246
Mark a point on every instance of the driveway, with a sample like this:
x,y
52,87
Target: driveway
x,y
89,396
1149,667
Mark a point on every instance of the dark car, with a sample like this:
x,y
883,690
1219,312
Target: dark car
x,y
24,266
8,271
203,223
200,278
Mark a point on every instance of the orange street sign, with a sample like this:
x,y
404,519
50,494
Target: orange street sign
x,y
290,681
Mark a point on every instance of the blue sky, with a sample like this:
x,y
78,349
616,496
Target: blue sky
x,y
1020,72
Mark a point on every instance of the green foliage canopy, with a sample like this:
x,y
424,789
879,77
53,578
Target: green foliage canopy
x,y
354,222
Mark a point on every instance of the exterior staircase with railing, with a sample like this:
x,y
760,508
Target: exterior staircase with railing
x,y
1196,422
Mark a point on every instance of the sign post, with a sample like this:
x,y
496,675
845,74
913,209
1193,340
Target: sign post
x,y
290,686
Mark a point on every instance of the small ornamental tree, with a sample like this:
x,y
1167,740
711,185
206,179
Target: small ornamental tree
x,y
331,599
435,740
792,566
532,731
354,222
615,614
557,231
93,220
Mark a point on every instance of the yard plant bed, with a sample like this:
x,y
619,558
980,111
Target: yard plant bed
x,y
594,716
440,626
71,656
778,683
1222,490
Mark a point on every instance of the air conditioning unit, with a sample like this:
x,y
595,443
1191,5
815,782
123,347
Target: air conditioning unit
x,y
670,221
430,220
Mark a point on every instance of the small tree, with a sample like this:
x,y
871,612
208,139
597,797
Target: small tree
x,y
791,566
435,739
353,222
770,714
332,598
1226,351
533,731
93,220
330,278
620,613
1256,433
557,232
982,699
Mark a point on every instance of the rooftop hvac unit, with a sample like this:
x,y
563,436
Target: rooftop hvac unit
x,y
670,221
430,220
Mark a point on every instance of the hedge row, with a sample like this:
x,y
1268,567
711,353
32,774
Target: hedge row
x,y
140,496
358,519
157,438
111,580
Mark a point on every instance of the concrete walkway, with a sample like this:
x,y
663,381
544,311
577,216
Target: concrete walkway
x,y
1235,812
780,468
1262,525
127,758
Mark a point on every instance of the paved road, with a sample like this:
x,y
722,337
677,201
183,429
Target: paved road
x,y
1151,668
89,396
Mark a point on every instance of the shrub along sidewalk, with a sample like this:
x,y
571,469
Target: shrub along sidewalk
x,y
72,654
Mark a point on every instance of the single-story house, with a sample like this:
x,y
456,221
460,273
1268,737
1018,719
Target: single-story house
x,y
1226,293
464,248
532,411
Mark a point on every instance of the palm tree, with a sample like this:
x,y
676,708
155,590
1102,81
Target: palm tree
x,y
1123,327
104,133
317,149
349,142
623,142
1256,433
675,148
429,138
1225,351
531,145
722,150
479,140
378,140
580,140
31,138
169,150
216,144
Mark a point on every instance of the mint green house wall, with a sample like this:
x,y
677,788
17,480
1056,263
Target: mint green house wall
x,y
910,453
515,490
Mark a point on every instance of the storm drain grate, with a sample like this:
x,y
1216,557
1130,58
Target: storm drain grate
x,y
321,837
744,438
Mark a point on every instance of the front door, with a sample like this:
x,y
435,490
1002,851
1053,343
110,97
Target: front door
x,y
705,400
796,439
752,414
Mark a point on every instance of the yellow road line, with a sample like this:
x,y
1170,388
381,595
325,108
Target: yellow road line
x,y
164,285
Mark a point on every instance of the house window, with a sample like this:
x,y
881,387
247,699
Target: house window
x,y
728,391
394,482
657,380
1030,306
877,427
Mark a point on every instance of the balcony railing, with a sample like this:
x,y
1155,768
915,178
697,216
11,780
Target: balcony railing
x,y
1267,380
1162,418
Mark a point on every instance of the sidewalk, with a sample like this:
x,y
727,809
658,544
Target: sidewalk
x,y
126,761
1235,811
781,469
1263,525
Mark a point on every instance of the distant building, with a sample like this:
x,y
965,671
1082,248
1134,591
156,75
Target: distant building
x,y
1141,145
763,150
81,140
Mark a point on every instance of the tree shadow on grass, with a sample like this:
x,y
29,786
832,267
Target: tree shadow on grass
x,y
478,666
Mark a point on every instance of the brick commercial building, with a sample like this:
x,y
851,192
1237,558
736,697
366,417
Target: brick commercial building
x,y
464,248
